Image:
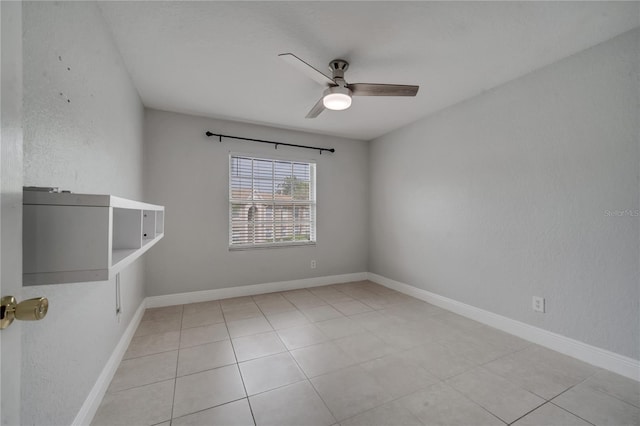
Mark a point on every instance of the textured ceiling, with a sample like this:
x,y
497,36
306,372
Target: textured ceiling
x,y
219,59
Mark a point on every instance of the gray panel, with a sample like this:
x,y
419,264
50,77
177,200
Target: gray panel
x,y
52,241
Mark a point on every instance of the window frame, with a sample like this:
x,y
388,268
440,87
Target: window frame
x,y
312,203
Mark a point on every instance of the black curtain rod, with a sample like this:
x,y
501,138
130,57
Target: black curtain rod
x,y
209,134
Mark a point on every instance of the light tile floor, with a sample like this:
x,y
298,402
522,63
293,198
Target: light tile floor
x,y
349,354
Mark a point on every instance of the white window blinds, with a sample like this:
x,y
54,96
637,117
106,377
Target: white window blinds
x,y
271,202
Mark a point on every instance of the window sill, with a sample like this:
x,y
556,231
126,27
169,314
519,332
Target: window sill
x,y
271,246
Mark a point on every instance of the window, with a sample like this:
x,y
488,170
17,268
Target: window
x,y
271,202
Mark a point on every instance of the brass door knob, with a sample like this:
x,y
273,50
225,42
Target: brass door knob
x,y
27,310
32,309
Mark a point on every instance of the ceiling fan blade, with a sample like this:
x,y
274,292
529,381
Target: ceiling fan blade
x,y
367,89
316,110
307,69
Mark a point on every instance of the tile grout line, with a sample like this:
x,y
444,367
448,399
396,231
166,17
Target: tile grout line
x,y
486,408
607,393
274,329
208,408
141,386
288,351
175,379
151,354
313,387
567,390
300,367
443,382
252,359
296,309
525,414
396,399
344,368
564,409
238,364
477,403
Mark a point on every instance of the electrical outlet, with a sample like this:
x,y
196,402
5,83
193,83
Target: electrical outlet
x,y
313,264
538,304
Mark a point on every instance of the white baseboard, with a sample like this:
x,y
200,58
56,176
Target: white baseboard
x,y
249,290
608,360
91,404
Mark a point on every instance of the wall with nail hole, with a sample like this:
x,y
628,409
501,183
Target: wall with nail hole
x,y
83,123
82,113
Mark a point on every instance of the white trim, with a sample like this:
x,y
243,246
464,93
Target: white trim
x,y
249,290
612,361
311,203
91,404
269,156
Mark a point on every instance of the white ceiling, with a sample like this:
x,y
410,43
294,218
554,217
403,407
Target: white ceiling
x,y
219,59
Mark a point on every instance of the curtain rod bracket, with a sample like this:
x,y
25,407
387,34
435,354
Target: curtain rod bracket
x,y
209,134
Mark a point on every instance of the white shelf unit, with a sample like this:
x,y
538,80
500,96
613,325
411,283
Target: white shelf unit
x,y
84,237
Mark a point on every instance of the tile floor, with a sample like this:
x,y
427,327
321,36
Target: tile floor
x,y
349,354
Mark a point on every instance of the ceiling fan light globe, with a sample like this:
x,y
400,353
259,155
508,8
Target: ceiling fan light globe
x,y
336,101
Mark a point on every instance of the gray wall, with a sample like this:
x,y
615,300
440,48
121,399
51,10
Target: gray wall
x,y
505,196
92,144
188,173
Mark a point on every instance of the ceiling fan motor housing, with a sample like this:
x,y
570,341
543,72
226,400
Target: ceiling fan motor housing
x,y
338,67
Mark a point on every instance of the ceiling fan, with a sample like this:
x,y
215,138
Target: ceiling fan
x,y
338,93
